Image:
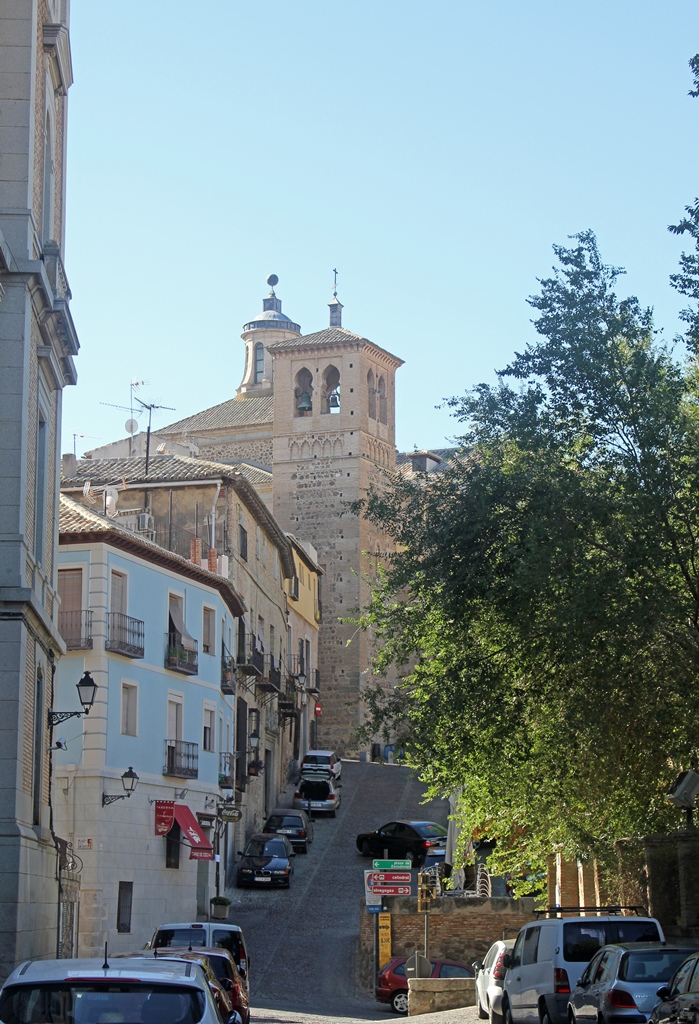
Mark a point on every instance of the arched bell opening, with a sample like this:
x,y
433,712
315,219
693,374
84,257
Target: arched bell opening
x,y
371,389
330,402
303,393
383,406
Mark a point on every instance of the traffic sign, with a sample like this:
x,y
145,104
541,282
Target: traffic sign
x,y
374,908
391,890
392,878
391,865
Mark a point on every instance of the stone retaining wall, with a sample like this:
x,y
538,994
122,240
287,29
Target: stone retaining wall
x,y
425,995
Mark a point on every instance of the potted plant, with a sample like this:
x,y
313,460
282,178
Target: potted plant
x,y
219,907
255,767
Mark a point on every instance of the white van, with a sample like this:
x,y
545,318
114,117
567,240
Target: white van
x,y
549,956
205,933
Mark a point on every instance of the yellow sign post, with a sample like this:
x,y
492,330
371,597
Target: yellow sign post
x,y
384,938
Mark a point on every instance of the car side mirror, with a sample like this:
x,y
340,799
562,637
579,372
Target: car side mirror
x,y
477,965
235,1018
664,993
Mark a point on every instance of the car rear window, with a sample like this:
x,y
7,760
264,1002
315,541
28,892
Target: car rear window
x,y
431,830
582,939
314,790
284,821
180,937
230,941
101,1002
652,967
316,759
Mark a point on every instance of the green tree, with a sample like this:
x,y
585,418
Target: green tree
x,y
545,593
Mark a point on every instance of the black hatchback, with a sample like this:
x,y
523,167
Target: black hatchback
x,y
406,840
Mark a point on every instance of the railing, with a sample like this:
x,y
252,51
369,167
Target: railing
x,y
275,673
226,770
76,629
251,660
125,635
227,671
181,759
174,538
179,658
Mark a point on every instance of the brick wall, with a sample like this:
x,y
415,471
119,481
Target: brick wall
x,y
460,928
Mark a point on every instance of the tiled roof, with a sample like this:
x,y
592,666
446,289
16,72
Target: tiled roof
x,y
326,339
240,411
160,468
76,520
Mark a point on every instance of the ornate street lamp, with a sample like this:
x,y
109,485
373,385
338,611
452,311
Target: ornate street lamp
x,y
129,781
87,688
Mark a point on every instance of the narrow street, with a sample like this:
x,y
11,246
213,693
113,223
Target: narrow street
x,y
304,941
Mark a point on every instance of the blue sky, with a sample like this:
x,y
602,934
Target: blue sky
x,y
432,153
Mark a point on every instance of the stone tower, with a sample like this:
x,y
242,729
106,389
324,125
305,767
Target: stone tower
x,y
333,437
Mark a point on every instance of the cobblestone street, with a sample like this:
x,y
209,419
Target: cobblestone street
x,y
303,941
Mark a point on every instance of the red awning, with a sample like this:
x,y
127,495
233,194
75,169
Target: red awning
x,y
167,813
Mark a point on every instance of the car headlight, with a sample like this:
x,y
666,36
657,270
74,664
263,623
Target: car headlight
x,y
281,871
244,871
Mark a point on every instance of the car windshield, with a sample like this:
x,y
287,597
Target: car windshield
x,y
650,966
431,830
265,848
101,1002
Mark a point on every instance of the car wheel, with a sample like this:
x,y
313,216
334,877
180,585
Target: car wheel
x,y
507,1014
493,1017
410,856
333,814
366,849
545,1016
304,848
481,1012
399,1001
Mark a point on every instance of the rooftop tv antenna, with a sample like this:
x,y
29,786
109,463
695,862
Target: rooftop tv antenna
x,y
131,425
150,406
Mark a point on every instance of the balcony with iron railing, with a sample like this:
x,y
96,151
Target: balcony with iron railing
x,y
181,759
179,658
125,635
250,659
226,770
76,629
227,671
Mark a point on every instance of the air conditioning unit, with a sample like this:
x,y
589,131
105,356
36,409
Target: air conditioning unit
x,y
145,523
684,789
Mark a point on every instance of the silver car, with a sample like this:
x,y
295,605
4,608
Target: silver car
x,y
319,793
100,991
621,981
489,977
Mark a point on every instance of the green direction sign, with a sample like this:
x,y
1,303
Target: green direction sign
x,y
392,865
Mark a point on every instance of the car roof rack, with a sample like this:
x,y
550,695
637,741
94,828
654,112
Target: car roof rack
x,y
616,908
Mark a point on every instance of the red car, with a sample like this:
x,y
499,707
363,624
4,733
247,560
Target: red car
x,y
392,980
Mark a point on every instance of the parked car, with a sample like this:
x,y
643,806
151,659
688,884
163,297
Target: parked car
x,y
205,933
318,760
549,955
405,840
85,990
678,1000
490,974
317,794
292,823
392,979
267,860
226,970
621,981
224,1003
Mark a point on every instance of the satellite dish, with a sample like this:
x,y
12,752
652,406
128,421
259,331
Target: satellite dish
x,y
111,496
131,426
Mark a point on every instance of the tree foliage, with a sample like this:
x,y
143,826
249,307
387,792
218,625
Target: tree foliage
x,y
544,598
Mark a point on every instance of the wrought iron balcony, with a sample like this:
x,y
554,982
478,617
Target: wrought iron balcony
x,y
227,672
275,673
76,629
180,658
181,759
251,660
125,635
226,770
